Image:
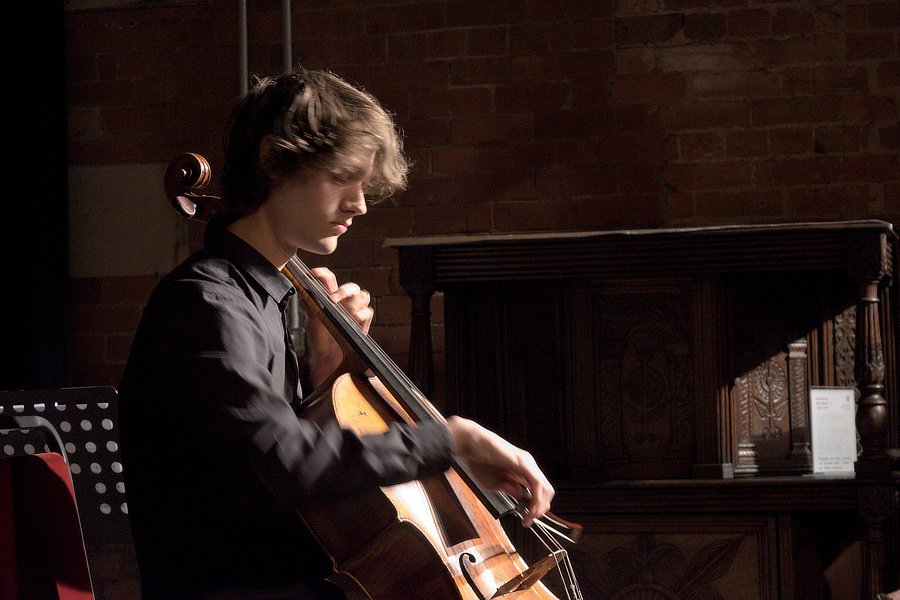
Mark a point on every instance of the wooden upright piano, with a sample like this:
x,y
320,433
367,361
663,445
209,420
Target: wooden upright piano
x,y
662,379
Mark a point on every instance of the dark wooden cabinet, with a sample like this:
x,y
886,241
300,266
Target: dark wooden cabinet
x,y
662,378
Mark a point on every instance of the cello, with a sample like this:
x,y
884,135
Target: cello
x,y
440,536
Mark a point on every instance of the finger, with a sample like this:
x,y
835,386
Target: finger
x,y
541,496
327,278
356,302
507,482
352,294
532,500
352,298
540,503
359,305
365,317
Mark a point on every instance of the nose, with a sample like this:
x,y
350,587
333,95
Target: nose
x,y
355,202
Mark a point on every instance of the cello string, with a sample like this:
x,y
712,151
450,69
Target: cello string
x,y
566,569
569,578
552,547
548,536
558,528
337,311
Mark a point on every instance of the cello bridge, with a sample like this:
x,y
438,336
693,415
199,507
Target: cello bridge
x,y
526,579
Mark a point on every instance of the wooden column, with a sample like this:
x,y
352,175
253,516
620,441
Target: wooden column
x,y
870,265
417,278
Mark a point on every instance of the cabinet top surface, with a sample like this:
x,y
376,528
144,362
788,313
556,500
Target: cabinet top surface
x,y
714,231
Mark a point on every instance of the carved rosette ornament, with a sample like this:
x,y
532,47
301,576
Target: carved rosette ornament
x,y
648,570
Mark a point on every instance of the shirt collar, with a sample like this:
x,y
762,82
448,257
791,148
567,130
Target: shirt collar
x,y
257,267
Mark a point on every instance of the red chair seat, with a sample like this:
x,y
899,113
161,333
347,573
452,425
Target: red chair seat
x,y
42,553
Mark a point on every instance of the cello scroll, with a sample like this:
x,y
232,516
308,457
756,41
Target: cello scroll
x,y
186,173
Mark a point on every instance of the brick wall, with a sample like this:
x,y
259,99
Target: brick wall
x,y
519,115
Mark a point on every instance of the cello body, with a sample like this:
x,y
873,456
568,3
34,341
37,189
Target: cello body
x,y
432,538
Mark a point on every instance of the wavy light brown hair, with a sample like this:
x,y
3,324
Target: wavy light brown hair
x,y
307,119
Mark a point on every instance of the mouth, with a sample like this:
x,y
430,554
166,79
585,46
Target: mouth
x,y
342,227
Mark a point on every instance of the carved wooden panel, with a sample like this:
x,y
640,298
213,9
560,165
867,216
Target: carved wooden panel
x,y
687,557
779,347
642,342
843,343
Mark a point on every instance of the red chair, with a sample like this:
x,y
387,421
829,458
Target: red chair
x,y
9,586
42,551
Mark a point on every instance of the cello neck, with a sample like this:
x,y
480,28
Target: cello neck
x,y
344,328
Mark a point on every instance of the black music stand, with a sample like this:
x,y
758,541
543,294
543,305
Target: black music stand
x,y
81,424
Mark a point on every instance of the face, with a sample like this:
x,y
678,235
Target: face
x,y
313,209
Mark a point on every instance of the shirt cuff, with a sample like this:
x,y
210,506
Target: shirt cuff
x,y
436,445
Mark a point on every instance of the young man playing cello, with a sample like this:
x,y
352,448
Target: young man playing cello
x,y
216,460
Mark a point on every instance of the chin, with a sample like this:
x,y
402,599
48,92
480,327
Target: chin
x,y
324,247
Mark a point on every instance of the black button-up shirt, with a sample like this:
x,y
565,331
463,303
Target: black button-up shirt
x,y
216,462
